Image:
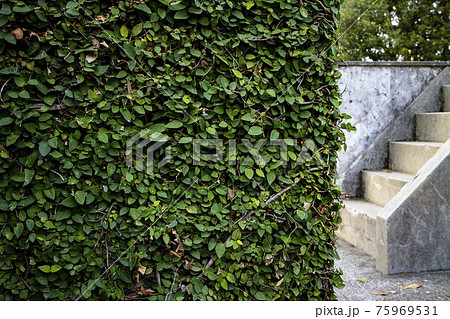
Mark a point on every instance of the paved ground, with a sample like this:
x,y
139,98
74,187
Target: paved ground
x,y
362,280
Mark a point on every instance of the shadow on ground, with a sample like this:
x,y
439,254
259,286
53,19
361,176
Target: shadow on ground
x,y
363,280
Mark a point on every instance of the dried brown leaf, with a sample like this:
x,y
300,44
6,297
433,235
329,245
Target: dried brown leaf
x,y
230,194
33,34
100,18
91,57
147,291
142,269
413,286
379,293
95,43
18,33
279,282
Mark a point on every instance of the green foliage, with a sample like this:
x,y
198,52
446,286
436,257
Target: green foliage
x,y
77,221
410,30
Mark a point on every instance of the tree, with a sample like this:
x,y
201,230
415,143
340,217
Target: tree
x,y
395,30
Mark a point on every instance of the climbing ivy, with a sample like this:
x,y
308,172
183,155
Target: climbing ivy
x,y
84,83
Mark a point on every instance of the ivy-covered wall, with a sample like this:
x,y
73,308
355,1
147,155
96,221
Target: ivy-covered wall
x,y
108,189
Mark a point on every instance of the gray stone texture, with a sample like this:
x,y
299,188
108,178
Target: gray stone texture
x,y
363,280
359,224
383,101
433,127
413,229
381,186
446,91
409,157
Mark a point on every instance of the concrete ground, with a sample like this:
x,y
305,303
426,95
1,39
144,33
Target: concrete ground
x,y
363,280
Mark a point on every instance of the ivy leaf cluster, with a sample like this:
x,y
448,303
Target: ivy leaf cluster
x,y
79,79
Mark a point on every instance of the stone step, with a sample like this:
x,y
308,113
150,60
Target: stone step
x,y
359,224
433,127
381,186
409,157
446,90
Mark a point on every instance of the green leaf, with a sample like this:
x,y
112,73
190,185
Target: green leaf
x,y
143,7
78,218
224,284
62,214
10,38
248,117
249,173
80,197
49,224
100,69
29,173
237,73
305,114
50,193
200,227
42,280
69,202
159,127
334,101
260,296
236,234
185,140
162,13
181,15
45,268
136,29
44,148
20,82
30,224
303,12
271,92
191,209
110,169
49,100
211,130
303,249
259,172
270,177
124,31
238,14
55,268
174,124
220,250
211,244
231,278
103,137
290,99
18,229
24,94
196,53
255,130
166,239
85,291
6,121
222,190
129,50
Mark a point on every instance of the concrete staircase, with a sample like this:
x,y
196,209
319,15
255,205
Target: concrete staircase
x,y
361,222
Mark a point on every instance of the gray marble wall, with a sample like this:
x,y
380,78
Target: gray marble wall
x,y
374,95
